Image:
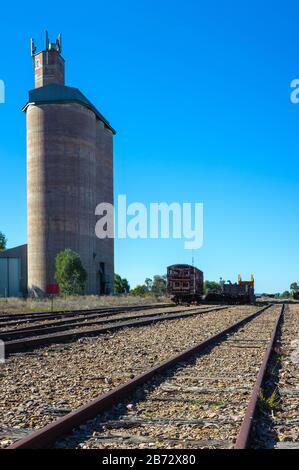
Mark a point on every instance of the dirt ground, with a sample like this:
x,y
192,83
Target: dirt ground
x,y
19,305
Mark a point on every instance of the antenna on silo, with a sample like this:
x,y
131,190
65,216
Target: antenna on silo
x,y
32,47
46,40
59,43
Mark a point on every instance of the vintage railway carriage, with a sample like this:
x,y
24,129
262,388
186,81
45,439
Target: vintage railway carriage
x,y
184,283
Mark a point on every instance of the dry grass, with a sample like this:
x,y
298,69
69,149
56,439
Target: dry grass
x,y
19,305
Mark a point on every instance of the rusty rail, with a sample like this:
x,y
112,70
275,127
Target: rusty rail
x,y
47,435
94,319
45,315
35,341
246,426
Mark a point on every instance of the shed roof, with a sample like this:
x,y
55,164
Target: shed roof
x,y
14,252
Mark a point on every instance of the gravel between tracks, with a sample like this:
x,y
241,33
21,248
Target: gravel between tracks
x,y
198,404
37,387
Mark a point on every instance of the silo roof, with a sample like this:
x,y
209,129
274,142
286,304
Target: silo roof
x,y
55,93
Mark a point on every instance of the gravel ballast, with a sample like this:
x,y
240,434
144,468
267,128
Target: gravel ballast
x,y
39,386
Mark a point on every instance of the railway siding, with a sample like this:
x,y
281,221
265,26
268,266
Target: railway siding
x,y
28,338
200,403
41,385
277,424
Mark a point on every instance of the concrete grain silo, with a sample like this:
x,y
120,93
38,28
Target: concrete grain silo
x,y
69,172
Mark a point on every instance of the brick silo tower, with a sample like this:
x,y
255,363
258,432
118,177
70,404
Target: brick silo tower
x,y
69,172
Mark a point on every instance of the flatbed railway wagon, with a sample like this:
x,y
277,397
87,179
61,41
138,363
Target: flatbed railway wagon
x,y
237,293
184,283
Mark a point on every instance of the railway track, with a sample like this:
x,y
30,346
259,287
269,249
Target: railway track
x,y
277,424
204,396
26,338
11,327
39,385
16,318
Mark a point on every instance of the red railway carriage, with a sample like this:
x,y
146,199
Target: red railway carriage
x,y
184,283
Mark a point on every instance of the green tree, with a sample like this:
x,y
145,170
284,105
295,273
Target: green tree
x,y
159,285
294,287
121,285
126,286
139,290
149,283
70,273
211,287
285,295
155,286
3,241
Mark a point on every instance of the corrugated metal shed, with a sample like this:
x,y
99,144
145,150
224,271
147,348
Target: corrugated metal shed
x,y
13,272
10,277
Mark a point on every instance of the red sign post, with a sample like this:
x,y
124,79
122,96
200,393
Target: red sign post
x,y
52,290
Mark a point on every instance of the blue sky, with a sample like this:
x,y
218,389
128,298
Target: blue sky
x,y
199,93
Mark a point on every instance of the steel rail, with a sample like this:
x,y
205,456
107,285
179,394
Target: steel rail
x,y
29,342
46,436
52,327
243,437
62,319
45,314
